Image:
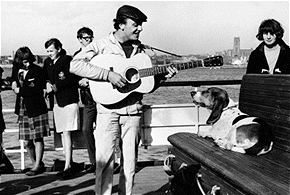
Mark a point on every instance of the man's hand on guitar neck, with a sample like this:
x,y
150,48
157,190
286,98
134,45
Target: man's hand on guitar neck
x,y
171,72
116,79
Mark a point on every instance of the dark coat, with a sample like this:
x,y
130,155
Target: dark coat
x,y
258,61
2,122
32,91
65,82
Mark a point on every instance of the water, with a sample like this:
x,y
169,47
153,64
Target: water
x,y
175,95
163,95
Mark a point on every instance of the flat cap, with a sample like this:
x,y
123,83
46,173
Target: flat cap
x,y
132,13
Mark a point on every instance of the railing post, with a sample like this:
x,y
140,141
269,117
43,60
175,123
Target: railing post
x,y
196,115
22,154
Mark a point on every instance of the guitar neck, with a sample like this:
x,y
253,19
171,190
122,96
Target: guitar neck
x,y
163,69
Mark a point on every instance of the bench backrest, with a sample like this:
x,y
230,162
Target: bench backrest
x,y
268,97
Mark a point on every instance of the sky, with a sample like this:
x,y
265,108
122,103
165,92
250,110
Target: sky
x,y
179,27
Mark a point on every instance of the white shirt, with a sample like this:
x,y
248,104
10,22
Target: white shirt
x,y
272,55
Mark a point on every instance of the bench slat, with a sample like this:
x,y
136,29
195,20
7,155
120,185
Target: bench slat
x,y
267,87
280,80
264,111
282,102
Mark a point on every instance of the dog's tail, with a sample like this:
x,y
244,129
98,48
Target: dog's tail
x,y
265,139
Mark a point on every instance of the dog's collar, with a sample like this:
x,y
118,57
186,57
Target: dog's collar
x,y
231,105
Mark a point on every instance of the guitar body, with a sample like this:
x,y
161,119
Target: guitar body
x,y
106,93
139,73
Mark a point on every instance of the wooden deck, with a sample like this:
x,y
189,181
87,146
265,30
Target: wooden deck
x,y
149,180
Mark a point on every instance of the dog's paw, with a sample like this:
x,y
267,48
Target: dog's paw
x,y
238,149
221,143
202,134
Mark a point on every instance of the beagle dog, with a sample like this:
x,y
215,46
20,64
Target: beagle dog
x,y
231,128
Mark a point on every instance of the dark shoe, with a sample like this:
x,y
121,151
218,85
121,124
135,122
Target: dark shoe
x,y
36,172
91,169
6,169
65,174
68,173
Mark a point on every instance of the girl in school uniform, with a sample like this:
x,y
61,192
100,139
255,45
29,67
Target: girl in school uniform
x,y
29,84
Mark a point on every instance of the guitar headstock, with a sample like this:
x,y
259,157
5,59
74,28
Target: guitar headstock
x,y
213,61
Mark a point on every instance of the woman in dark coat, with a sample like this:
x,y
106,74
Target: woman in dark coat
x,y
272,56
63,88
29,84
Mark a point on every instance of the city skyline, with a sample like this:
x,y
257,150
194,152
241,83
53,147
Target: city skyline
x,y
227,51
179,27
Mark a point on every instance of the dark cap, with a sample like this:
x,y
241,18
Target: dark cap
x,y
132,13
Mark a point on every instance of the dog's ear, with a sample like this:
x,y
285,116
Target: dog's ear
x,y
221,100
217,110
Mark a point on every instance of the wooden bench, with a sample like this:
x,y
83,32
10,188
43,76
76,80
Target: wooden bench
x,y
265,96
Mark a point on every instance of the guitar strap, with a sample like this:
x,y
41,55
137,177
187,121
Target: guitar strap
x,y
153,48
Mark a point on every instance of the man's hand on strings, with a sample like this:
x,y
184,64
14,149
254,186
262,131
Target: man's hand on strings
x,y
116,79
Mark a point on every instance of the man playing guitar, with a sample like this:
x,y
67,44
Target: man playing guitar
x,y
121,119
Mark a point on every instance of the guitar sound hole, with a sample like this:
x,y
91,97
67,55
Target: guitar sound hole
x,y
132,75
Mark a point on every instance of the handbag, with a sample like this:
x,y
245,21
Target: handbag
x,y
184,179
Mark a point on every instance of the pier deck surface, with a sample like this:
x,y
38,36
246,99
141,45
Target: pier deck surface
x,y
149,180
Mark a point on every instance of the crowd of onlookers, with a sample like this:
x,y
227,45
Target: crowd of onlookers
x,y
34,86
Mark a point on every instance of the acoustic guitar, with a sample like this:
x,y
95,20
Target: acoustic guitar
x,y
139,73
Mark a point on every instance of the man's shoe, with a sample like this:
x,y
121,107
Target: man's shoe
x,y
91,169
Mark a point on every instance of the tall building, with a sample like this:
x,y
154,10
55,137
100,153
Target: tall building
x,y
237,47
236,53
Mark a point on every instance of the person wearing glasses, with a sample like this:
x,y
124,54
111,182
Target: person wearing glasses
x,y
29,82
121,119
272,56
85,36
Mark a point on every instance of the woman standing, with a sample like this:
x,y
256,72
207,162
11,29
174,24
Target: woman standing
x,y
62,86
29,84
272,56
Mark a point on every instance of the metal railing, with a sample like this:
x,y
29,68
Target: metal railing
x,y
201,83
